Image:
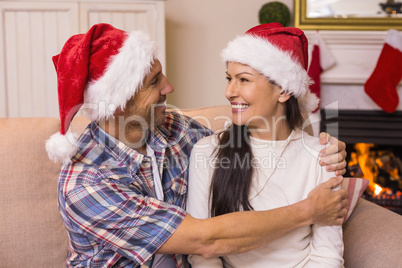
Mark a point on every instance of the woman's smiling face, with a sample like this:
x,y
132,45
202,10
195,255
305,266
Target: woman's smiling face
x,y
255,101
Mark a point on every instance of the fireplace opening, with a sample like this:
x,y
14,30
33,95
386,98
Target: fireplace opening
x,y
382,166
374,146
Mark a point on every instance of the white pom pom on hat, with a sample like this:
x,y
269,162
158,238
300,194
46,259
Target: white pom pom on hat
x,y
61,148
279,53
99,71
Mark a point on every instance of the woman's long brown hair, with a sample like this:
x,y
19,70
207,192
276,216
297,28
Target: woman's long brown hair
x,y
232,177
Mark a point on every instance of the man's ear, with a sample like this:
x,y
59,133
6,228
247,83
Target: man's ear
x,y
283,97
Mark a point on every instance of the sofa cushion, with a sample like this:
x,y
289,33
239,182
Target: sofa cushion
x,y
32,233
355,188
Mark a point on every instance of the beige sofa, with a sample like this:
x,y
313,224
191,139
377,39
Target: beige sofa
x,y
32,234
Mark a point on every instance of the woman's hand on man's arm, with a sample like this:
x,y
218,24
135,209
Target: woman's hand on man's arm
x,y
328,207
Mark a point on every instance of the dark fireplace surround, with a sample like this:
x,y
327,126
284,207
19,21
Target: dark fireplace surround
x,y
382,129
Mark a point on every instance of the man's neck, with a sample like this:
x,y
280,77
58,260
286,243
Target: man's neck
x,y
132,136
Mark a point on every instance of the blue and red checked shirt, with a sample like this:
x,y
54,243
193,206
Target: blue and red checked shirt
x,y
107,197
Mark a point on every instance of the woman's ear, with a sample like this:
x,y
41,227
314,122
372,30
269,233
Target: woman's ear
x,y
283,97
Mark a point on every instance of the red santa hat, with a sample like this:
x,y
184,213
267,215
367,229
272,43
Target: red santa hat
x,y
98,72
279,53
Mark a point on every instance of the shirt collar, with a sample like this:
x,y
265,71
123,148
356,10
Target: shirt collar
x,y
118,150
297,134
156,139
168,134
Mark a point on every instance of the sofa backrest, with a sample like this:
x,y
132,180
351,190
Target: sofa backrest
x,y
211,117
31,231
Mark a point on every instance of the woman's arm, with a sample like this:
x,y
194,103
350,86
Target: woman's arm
x,y
326,247
327,241
198,200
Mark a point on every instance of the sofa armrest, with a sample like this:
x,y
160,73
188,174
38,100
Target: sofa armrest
x,y
372,237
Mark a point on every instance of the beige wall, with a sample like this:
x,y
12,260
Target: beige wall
x,y
196,32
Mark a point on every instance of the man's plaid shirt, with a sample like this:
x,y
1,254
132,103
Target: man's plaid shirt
x,y
107,198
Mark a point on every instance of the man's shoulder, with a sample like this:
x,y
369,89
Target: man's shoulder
x,y
79,172
89,165
78,177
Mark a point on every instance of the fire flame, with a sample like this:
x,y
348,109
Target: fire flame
x,y
367,165
377,189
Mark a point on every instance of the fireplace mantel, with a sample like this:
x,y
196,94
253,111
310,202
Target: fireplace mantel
x,y
356,54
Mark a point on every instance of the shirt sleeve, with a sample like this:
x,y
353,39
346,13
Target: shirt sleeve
x,y
327,241
200,172
121,218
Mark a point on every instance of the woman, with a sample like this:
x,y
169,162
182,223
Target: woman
x,y
264,160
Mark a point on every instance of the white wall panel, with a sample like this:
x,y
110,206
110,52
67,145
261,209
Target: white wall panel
x,y
3,96
31,33
38,64
144,16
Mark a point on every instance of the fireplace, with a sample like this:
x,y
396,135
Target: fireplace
x,y
374,146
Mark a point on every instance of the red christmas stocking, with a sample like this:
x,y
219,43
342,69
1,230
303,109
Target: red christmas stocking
x,y
383,82
321,60
314,72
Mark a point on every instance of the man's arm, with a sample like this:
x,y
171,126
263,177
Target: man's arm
x,y
334,155
239,232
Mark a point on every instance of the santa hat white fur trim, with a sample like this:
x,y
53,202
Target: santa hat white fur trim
x,y
61,148
308,102
275,64
123,77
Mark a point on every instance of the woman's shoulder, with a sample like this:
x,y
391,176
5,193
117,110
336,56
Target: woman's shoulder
x,y
206,144
212,139
308,142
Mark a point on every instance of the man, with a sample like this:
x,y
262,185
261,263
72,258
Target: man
x,y
122,188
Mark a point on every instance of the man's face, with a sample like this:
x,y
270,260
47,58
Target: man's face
x,y
147,108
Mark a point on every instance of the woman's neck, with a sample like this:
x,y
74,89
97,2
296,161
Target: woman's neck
x,y
276,131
